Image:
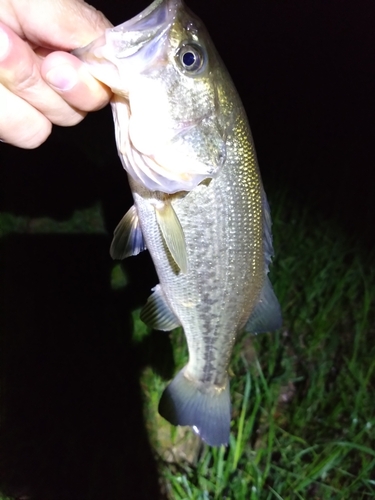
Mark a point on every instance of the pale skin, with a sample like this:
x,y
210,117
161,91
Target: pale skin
x,y
40,82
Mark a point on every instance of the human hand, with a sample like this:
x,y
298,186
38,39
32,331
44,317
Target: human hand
x,y
33,35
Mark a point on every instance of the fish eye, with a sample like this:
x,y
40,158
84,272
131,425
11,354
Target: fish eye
x,y
191,57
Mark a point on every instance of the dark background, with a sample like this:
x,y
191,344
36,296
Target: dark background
x,y
71,407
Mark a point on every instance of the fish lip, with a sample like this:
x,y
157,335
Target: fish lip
x,y
159,7
151,24
132,35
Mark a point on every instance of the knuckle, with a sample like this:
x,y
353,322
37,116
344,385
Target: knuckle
x,y
69,119
27,77
33,138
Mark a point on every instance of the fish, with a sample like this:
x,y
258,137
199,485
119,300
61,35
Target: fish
x,y
200,208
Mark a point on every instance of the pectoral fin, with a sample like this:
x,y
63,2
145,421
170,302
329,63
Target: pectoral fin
x,y
127,237
173,234
157,313
267,313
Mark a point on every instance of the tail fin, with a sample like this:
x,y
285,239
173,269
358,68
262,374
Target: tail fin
x,y
205,408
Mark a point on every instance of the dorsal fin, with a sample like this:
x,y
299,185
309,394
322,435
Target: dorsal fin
x,y
266,315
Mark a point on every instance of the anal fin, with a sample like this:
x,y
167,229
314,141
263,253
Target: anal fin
x,y
157,313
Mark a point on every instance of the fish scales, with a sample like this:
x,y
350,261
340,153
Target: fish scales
x,y
199,204
214,299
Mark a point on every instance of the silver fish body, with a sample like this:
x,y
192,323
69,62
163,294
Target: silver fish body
x,y
199,204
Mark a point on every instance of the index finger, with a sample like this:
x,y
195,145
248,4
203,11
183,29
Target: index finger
x,y
55,24
20,74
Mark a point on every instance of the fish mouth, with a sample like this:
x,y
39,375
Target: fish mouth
x,y
145,28
143,34
128,38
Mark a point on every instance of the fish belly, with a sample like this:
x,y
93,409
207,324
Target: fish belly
x,y
222,223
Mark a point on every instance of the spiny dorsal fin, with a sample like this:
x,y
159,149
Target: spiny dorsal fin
x,y
157,314
266,315
173,234
127,237
267,234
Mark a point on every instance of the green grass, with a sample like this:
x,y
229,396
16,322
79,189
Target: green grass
x,y
303,397
303,405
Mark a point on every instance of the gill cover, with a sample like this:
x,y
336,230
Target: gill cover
x,y
168,134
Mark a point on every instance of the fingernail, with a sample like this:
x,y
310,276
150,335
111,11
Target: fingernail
x,y
62,77
4,44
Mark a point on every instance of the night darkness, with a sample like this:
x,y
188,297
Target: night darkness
x,y
305,71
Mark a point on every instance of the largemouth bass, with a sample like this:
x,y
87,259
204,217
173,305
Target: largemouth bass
x,y
199,205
